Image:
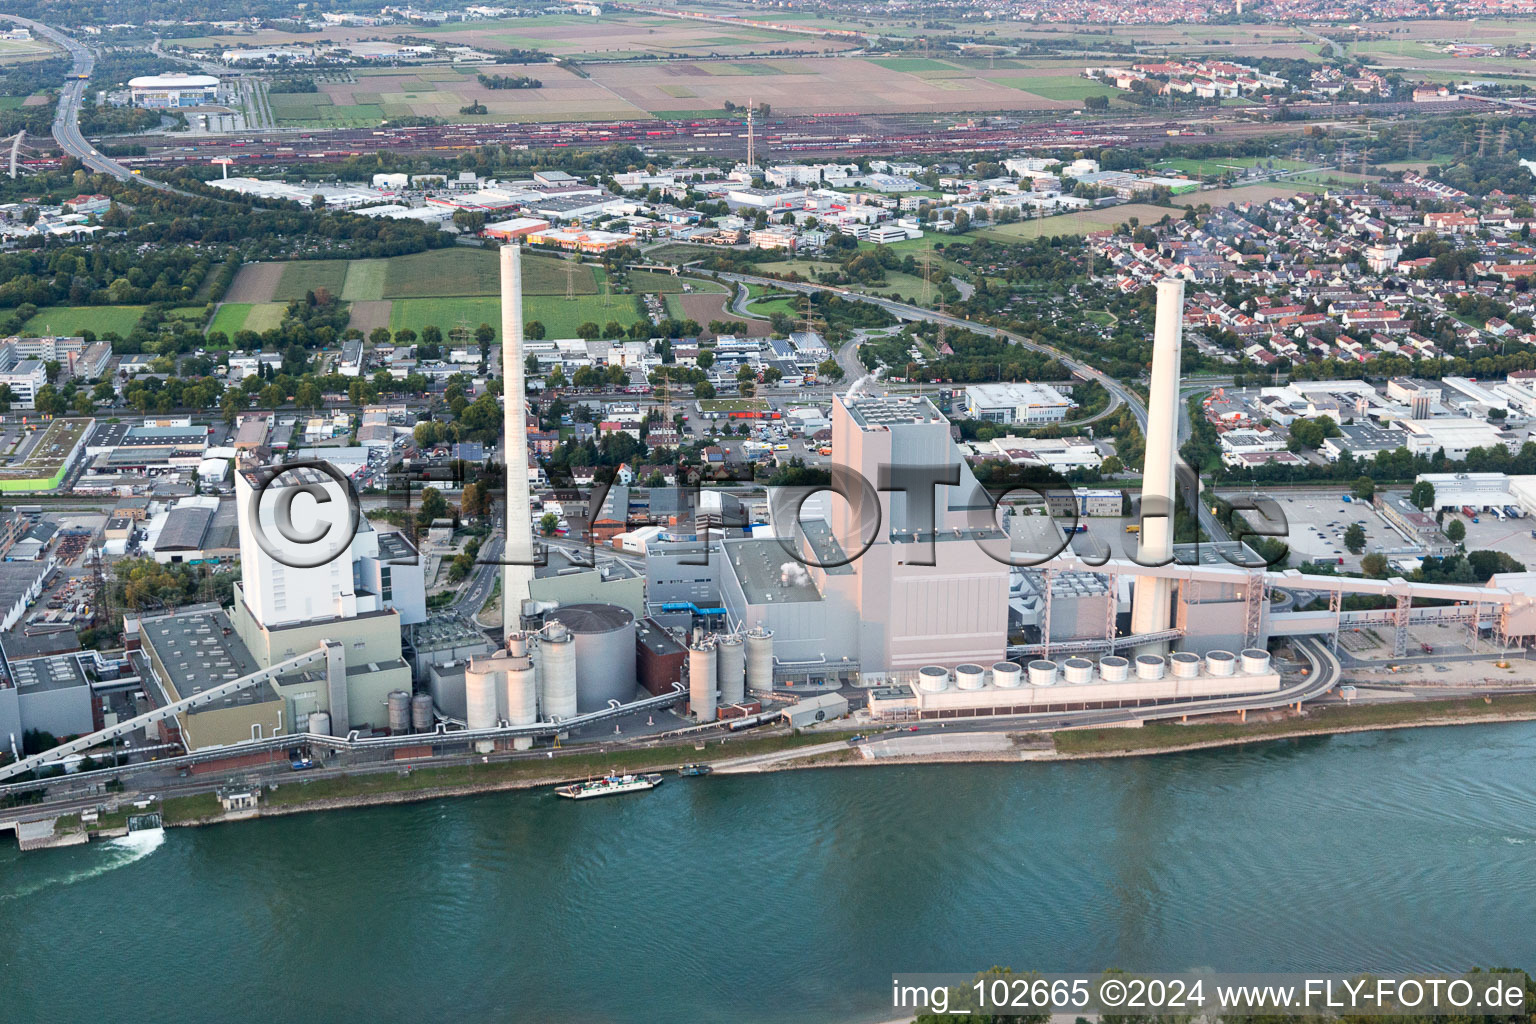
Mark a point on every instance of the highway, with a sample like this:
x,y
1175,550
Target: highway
x,y
66,121
906,311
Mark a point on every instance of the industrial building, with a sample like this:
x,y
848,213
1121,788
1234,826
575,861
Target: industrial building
x,y
1025,404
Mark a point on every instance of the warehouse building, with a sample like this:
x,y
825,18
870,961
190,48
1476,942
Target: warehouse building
x,y
1026,404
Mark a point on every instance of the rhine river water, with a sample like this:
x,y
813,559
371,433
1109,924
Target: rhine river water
x,y
791,898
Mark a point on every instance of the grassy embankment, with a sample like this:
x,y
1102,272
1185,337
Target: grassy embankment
x,y
1159,736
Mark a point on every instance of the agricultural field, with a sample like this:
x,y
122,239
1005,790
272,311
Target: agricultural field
x,y
1256,193
1077,223
446,313
71,320
1060,87
1217,166
440,91
247,316
14,51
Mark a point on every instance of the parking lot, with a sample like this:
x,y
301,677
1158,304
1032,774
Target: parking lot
x,y
1512,536
1317,523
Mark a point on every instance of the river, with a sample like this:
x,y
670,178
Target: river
x,y
793,897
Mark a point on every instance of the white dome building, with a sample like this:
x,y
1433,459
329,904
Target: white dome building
x,y
173,90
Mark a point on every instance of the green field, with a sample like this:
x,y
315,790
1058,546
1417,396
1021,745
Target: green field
x,y
1215,166
364,281
445,313
561,316
1057,87
71,320
1075,223
194,313
655,281
247,316
461,271
315,108
306,275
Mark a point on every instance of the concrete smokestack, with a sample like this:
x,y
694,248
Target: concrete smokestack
x,y
1152,601
515,579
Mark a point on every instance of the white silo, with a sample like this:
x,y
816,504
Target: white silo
x,y
970,677
481,681
1077,671
1184,664
1255,661
557,673
1221,663
760,660
319,723
520,696
933,678
731,661
1007,675
1042,672
702,681
1114,669
1150,666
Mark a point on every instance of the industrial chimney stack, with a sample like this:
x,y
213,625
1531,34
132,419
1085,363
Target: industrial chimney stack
x,y
1152,601
515,578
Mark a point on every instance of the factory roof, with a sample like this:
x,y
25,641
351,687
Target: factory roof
x,y
871,413
53,672
108,435
768,574
167,436
395,546
200,650
16,579
18,646
184,529
442,631
650,634
826,548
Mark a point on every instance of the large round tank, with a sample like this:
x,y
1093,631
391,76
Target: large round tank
x,y
1006,675
557,674
319,723
605,652
1042,672
1150,666
1077,670
399,704
933,678
702,681
519,692
1221,663
760,660
970,677
422,719
1255,660
731,661
1114,669
481,681
1184,664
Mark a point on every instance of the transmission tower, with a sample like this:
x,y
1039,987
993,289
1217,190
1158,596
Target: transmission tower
x,y
925,259
1503,139
1413,142
1482,141
751,139
570,280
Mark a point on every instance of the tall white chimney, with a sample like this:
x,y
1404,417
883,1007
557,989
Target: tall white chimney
x,y
1152,600
515,579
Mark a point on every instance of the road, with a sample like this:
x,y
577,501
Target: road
x,y
66,121
476,589
906,311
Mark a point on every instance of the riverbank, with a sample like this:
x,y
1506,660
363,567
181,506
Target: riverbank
x,y
818,750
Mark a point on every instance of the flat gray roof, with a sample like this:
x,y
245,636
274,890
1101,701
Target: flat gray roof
x,y
200,650
758,565
184,529
55,672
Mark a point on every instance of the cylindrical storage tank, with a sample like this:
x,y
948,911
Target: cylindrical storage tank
x,y
519,692
557,674
760,660
731,661
1077,670
1007,675
605,652
1255,661
399,704
1114,669
1150,666
422,718
1221,663
933,678
1184,664
480,691
1042,673
702,681
970,677
319,723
